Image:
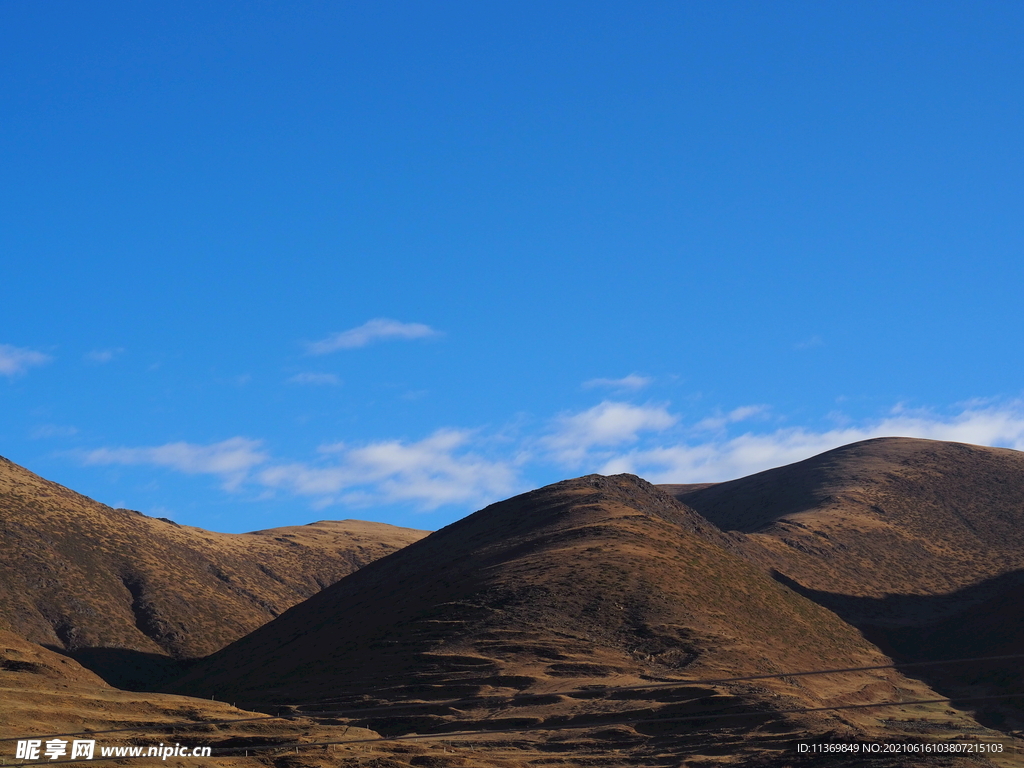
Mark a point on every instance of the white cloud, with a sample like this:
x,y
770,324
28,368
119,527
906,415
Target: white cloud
x,y
726,459
430,473
17,360
103,355
633,382
315,378
470,469
230,459
374,330
606,424
714,423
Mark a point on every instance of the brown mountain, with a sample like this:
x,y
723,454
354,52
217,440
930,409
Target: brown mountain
x,y
546,612
120,590
578,624
919,543
879,517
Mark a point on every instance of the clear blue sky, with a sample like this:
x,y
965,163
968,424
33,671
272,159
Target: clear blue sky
x,y
263,263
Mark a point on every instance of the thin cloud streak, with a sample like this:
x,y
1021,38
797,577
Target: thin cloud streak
x,y
101,356
811,343
230,459
736,415
15,361
44,431
318,379
632,382
378,329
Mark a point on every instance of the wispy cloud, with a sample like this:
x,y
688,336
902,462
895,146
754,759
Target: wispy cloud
x,y
736,415
604,425
378,329
230,459
315,378
101,356
810,343
15,361
432,472
1001,425
52,430
438,470
632,382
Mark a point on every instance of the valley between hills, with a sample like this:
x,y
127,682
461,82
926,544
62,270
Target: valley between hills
x,y
599,621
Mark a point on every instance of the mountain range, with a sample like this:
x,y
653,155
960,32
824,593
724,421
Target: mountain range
x,y
599,621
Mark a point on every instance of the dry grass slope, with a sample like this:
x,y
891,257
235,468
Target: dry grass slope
x,y
919,543
112,584
507,640
532,611
880,517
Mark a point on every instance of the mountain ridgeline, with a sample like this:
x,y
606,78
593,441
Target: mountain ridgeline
x,y
600,620
918,543
117,589
592,604
588,579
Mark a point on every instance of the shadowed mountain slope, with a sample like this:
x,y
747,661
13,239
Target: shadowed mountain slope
x,y
880,517
79,575
514,613
919,543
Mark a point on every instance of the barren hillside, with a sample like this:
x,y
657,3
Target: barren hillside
x,y
534,611
919,543
121,590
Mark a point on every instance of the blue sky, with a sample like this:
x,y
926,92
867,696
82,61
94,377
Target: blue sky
x,y
264,263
